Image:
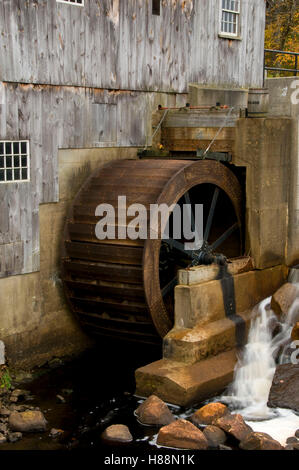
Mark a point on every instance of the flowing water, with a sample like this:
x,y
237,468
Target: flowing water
x,y
248,394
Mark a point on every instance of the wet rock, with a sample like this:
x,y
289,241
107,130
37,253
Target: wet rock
x,y
215,436
60,399
297,433
260,441
295,332
4,411
292,440
208,414
117,432
14,436
288,447
56,432
182,434
283,298
154,411
285,386
223,447
18,395
27,421
235,426
2,439
3,428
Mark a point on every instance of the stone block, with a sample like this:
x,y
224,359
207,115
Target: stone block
x,y
185,384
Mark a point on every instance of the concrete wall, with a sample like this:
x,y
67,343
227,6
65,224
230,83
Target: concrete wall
x,y
284,100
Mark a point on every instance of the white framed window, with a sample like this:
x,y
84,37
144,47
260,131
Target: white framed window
x,y
230,18
79,3
14,161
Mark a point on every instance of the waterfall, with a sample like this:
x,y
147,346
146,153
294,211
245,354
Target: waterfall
x,y
249,391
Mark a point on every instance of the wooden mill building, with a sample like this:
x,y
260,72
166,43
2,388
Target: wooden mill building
x,y
80,85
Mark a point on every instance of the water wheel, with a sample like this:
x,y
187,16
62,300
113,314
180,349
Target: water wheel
x,y
124,288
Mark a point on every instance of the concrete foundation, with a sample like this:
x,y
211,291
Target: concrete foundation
x,y
199,353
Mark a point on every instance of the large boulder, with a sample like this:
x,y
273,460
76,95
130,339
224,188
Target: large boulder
x,y
154,411
215,436
235,426
283,299
260,441
182,434
117,433
27,421
208,414
285,386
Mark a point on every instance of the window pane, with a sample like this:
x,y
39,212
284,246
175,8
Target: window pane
x,y
8,148
16,147
24,174
8,175
8,162
23,147
16,161
24,161
2,175
1,162
17,175
1,148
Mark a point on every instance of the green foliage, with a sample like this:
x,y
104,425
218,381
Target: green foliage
x,y
5,378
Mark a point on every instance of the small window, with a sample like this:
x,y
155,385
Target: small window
x,y
230,18
14,161
156,7
79,3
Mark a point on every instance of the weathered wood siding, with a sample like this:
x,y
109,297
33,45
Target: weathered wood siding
x,y
53,117
82,77
120,45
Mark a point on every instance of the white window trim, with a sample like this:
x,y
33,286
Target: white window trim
x,y
28,162
71,3
226,35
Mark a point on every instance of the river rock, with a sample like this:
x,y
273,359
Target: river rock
x,y
18,395
235,426
27,421
117,432
208,414
14,436
283,299
260,441
295,332
154,411
215,436
4,411
182,434
292,440
297,433
285,386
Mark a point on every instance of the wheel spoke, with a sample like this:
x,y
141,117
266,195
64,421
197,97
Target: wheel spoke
x,y
211,214
223,237
188,202
169,286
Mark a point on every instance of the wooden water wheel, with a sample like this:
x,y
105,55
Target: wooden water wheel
x,y
124,288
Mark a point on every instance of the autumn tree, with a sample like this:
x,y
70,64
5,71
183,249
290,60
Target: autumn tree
x,y
282,31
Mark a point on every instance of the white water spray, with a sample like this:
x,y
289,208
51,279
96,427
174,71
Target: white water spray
x,y
255,369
